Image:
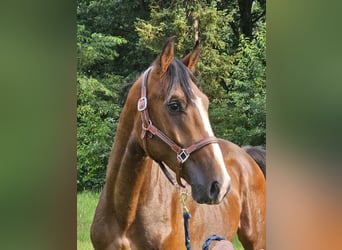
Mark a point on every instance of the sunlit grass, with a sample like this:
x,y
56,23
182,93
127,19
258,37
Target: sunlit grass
x,y
86,204
237,244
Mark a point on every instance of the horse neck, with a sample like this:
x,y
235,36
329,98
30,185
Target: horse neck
x,y
126,165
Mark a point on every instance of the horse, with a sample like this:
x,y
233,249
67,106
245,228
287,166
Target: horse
x,y
164,125
258,153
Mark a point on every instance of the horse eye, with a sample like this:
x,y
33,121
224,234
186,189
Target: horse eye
x,y
175,106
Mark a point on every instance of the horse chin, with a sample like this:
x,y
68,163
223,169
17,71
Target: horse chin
x,y
207,201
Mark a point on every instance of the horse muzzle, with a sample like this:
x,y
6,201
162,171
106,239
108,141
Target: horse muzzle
x,y
213,193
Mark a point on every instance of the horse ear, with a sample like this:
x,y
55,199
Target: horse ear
x,y
167,55
191,59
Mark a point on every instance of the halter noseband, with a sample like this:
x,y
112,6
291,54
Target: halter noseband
x,y
147,126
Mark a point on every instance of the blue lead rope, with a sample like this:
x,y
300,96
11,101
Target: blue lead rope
x,y
186,217
210,239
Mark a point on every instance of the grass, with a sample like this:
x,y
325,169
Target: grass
x,y
86,204
237,244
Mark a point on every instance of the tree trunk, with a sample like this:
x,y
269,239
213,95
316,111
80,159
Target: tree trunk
x,y
246,24
195,26
192,19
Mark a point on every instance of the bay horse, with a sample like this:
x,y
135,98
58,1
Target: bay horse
x,y
165,122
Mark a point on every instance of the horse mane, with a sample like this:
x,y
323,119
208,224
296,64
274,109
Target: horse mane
x,y
258,153
124,91
179,76
177,73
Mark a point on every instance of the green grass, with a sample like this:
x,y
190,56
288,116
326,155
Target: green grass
x,y
237,244
86,204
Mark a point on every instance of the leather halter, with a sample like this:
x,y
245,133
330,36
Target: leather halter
x,y
147,126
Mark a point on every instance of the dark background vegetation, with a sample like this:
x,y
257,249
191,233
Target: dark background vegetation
x,y
117,40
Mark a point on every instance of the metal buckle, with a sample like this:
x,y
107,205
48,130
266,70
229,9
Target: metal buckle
x,y
183,156
142,104
183,196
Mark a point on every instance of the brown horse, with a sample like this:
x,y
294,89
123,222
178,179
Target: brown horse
x,y
138,207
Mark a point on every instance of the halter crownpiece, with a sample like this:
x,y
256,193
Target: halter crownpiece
x,y
147,126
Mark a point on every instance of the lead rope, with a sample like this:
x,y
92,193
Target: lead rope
x,y
210,239
183,195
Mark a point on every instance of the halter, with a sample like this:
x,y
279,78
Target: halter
x,y
147,126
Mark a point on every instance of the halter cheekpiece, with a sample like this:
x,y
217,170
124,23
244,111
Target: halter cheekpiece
x,y
147,126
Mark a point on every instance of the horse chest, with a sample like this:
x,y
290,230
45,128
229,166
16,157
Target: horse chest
x,y
152,226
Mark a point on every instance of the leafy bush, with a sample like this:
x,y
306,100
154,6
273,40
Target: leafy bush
x,y
97,105
96,123
239,115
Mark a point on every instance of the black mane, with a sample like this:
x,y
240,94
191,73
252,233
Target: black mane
x,y
179,76
258,153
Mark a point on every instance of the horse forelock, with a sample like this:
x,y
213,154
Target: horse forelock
x,y
178,75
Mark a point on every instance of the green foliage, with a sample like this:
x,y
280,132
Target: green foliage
x,y
96,51
97,100
97,116
117,18
240,115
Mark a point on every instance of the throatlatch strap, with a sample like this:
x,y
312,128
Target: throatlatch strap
x,y
166,172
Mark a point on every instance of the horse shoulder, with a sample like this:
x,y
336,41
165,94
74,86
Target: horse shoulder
x,y
249,182
104,230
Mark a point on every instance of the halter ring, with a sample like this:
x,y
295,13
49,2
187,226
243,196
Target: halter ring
x,y
183,156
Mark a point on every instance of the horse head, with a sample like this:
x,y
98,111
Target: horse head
x,y
174,117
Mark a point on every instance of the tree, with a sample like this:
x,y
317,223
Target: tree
x,y
248,13
116,18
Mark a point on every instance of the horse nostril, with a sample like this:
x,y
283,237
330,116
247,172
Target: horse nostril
x,y
214,190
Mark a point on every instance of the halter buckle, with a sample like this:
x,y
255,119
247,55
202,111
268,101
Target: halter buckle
x,y
142,104
183,156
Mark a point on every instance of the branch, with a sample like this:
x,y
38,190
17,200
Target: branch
x,y
260,16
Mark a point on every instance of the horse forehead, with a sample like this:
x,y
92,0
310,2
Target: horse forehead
x,y
201,105
200,100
